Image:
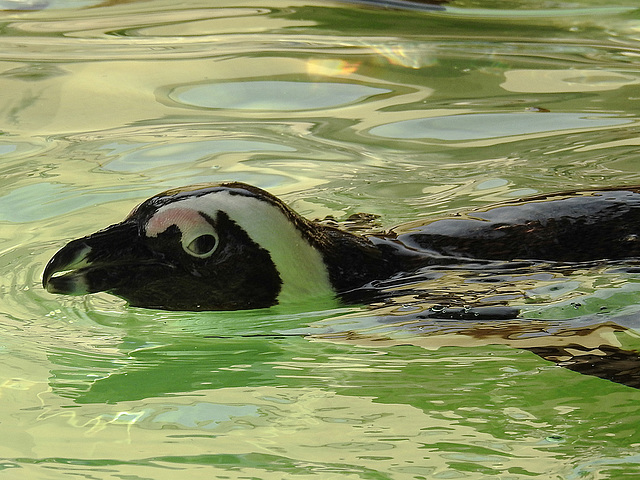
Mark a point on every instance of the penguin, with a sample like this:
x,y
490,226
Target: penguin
x,y
232,246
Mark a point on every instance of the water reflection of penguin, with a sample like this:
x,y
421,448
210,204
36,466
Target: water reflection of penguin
x,y
233,246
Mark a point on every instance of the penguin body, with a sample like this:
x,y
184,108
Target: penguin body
x,y
567,227
233,246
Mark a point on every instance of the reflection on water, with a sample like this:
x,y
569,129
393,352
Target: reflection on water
x,y
338,109
274,96
532,81
492,125
132,158
327,434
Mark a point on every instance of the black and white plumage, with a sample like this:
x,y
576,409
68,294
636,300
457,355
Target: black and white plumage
x,y
215,247
233,246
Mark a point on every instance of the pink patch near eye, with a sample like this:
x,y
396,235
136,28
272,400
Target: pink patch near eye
x,y
184,218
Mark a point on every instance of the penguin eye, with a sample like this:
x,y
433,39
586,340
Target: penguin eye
x,y
202,246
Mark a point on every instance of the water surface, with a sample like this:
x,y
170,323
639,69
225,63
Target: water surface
x,y
338,108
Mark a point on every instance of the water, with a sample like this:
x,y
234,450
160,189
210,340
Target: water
x,y
338,109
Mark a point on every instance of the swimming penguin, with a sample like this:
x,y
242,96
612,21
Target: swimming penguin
x,y
233,246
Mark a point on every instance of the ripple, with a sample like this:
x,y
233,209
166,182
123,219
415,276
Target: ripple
x,y
565,81
567,10
135,158
34,72
13,148
59,198
274,95
494,125
17,5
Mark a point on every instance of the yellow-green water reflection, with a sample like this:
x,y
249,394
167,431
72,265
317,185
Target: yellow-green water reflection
x,y
338,109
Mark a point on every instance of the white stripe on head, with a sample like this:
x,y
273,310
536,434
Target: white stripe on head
x,y
300,265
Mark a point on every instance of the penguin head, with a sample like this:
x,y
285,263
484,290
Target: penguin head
x,y
213,247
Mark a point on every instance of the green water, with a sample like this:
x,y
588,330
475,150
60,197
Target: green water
x,y
338,109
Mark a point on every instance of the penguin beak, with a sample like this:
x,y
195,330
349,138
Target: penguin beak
x,y
63,273
95,263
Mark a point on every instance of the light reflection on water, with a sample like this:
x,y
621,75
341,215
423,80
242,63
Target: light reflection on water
x,y
493,125
337,109
274,96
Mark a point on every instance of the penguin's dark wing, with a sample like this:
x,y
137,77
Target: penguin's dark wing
x,y
579,227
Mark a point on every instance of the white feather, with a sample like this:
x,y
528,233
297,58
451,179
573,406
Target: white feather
x,y
300,266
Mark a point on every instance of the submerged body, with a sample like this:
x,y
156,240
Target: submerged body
x,y
232,246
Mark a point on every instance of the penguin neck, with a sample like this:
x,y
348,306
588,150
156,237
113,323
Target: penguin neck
x,y
353,261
